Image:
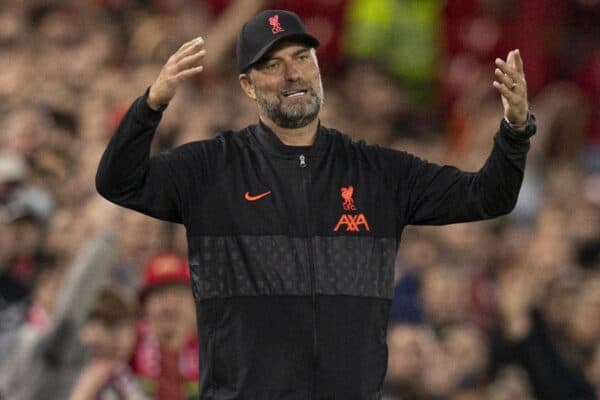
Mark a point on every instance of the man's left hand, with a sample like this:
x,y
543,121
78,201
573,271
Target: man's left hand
x,y
510,82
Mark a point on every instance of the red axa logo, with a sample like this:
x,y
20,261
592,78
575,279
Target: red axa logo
x,y
276,25
352,222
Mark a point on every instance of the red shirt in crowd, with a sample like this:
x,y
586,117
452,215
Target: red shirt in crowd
x,y
166,374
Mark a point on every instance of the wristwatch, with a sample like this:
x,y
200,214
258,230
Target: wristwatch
x,y
516,127
530,127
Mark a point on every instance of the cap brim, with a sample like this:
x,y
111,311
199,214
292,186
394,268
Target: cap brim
x,y
292,37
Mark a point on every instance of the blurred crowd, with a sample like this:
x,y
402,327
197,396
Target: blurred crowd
x,y
95,300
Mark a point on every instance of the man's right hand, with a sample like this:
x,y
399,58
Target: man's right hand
x,y
180,66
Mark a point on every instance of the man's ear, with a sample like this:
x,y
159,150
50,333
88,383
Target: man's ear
x,y
247,87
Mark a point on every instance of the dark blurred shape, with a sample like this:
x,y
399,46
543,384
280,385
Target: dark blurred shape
x,y
588,254
551,376
406,306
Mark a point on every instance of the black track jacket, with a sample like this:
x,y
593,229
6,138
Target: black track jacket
x,y
292,250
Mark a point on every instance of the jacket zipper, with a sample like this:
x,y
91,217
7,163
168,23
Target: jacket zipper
x,y
310,252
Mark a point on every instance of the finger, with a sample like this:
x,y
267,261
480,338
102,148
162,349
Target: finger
x,y
510,58
194,46
194,41
508,70
190,61
188,48
519,63
184,48
188,72
506,92
503,78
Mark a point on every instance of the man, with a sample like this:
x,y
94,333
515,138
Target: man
x,y
293,228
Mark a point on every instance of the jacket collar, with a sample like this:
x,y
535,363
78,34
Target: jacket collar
x,y
269,140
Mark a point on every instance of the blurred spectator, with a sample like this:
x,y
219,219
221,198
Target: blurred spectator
x,y
24,210
45,356
443,295
17,197
34,310
26,130
382,101
109,338
407,345
524,339
166,353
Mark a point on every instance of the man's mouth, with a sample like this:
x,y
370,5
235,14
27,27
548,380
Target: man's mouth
x,y
294,93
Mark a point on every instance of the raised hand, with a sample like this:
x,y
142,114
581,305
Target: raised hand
x,y
180,66
510,82
94,376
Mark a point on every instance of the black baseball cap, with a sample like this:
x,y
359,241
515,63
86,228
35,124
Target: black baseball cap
x,y
267,29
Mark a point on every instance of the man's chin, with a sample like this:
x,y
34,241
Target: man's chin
x,y
293,114
296,122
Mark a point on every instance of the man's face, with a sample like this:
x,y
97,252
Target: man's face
x,y
287,85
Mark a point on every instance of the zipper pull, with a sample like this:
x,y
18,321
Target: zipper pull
x,y
302,161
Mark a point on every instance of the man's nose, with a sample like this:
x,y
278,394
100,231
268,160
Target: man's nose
x,y
292,72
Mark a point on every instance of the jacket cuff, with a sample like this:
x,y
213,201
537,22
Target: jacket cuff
x,y
530,129
144,114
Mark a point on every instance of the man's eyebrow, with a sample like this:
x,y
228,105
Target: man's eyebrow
x,y
300,51
295,53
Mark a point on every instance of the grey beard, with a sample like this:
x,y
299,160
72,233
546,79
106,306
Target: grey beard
x,y
291,117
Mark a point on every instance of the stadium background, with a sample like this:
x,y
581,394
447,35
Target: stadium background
x,y
412,74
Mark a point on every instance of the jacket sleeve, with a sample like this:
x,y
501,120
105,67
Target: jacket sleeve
x,y
430,194
129,177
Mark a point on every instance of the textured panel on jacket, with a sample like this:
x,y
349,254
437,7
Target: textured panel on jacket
x,y
227,266
357,266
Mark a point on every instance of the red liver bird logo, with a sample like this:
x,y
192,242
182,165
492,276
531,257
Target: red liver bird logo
x,y
276,25
347,193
